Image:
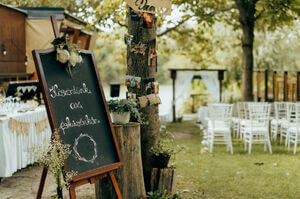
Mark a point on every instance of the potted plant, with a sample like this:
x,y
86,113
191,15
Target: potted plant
x,y
122,110
163,150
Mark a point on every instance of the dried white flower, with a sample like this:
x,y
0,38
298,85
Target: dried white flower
x,y
53,158
62,55
74,58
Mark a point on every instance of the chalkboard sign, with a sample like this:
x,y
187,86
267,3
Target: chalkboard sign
x,y
76,106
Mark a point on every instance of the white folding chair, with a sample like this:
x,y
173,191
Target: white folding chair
x,y
280,109
245,117
293,128
235,121
241,119
285,122
219,125
257,129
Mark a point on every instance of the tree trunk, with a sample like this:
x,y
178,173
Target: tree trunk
x,y
247,20
163,180
137,65
130,175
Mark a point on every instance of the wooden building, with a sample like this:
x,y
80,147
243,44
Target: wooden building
x,y
26,28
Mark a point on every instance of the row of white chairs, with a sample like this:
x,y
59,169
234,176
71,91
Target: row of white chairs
x,y
252,124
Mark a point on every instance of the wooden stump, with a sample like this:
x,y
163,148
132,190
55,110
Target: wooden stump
x,y
164,180
129,176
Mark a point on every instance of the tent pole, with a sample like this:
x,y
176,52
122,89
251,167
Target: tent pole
x,y
173,76
221,77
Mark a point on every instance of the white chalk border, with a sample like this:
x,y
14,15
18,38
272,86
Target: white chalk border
x,y
78,155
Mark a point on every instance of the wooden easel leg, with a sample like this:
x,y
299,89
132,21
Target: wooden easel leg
x,y
72,192
42,183
114,181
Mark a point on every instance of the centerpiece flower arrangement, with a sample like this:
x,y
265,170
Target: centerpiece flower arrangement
x,y
67,53
53,158
122,110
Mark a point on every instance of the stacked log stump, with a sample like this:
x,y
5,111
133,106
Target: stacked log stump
x,y
129,176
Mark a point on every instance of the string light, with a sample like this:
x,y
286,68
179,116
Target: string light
x,y
3,49
26,61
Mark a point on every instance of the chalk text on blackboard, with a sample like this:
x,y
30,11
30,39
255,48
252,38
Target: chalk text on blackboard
x,y
76,105
84,121
55,91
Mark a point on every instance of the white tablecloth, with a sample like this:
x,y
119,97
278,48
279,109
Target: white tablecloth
x,y
15,147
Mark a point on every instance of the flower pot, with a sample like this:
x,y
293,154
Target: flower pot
x,y
161,161
121,118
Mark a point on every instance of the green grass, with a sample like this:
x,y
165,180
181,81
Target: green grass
x,y
222,175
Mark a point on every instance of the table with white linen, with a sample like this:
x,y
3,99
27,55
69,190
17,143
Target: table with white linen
x,y
19,134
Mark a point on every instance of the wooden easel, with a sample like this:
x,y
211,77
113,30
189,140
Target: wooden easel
x,y
92,176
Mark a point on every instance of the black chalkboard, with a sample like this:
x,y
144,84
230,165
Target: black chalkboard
x,y
76,106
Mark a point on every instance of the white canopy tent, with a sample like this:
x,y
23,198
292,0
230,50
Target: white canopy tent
x,y
182,78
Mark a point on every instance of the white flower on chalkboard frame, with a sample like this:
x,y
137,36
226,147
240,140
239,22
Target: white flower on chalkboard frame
x,y
62,55
67,53
74,58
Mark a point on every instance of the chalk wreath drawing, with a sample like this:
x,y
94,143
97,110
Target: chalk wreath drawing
x,y
79,157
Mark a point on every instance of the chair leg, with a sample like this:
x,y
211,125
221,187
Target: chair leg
x,y
269,144
230,144
265,146
275,133
250,147
211,143
286,139
289,145
280,136
295,145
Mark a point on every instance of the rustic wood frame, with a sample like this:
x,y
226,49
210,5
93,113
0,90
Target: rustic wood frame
x,y
89,176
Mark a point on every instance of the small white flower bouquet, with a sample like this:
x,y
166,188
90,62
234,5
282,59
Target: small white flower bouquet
x,y
67,53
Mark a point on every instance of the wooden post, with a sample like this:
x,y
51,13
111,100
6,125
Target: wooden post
x,y
193,105
275,88
130,175
298,87
266,86
173,76
285,86
164,180
258,75
221,77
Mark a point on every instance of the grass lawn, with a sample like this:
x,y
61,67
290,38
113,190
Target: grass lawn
x,y
222,175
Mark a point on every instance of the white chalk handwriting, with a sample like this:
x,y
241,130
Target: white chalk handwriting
x,y
84,121
55,91
75,105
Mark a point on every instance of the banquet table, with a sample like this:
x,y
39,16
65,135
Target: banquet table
x,y
20,133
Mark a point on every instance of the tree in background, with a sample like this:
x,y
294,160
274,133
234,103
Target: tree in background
x,y
265,14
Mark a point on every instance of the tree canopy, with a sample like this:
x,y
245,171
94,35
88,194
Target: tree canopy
x,y
206,33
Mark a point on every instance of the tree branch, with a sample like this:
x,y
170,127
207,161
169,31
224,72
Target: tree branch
x,y
174,27
122,25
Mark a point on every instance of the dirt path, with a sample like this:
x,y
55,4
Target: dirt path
x,y
24,185
182,135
